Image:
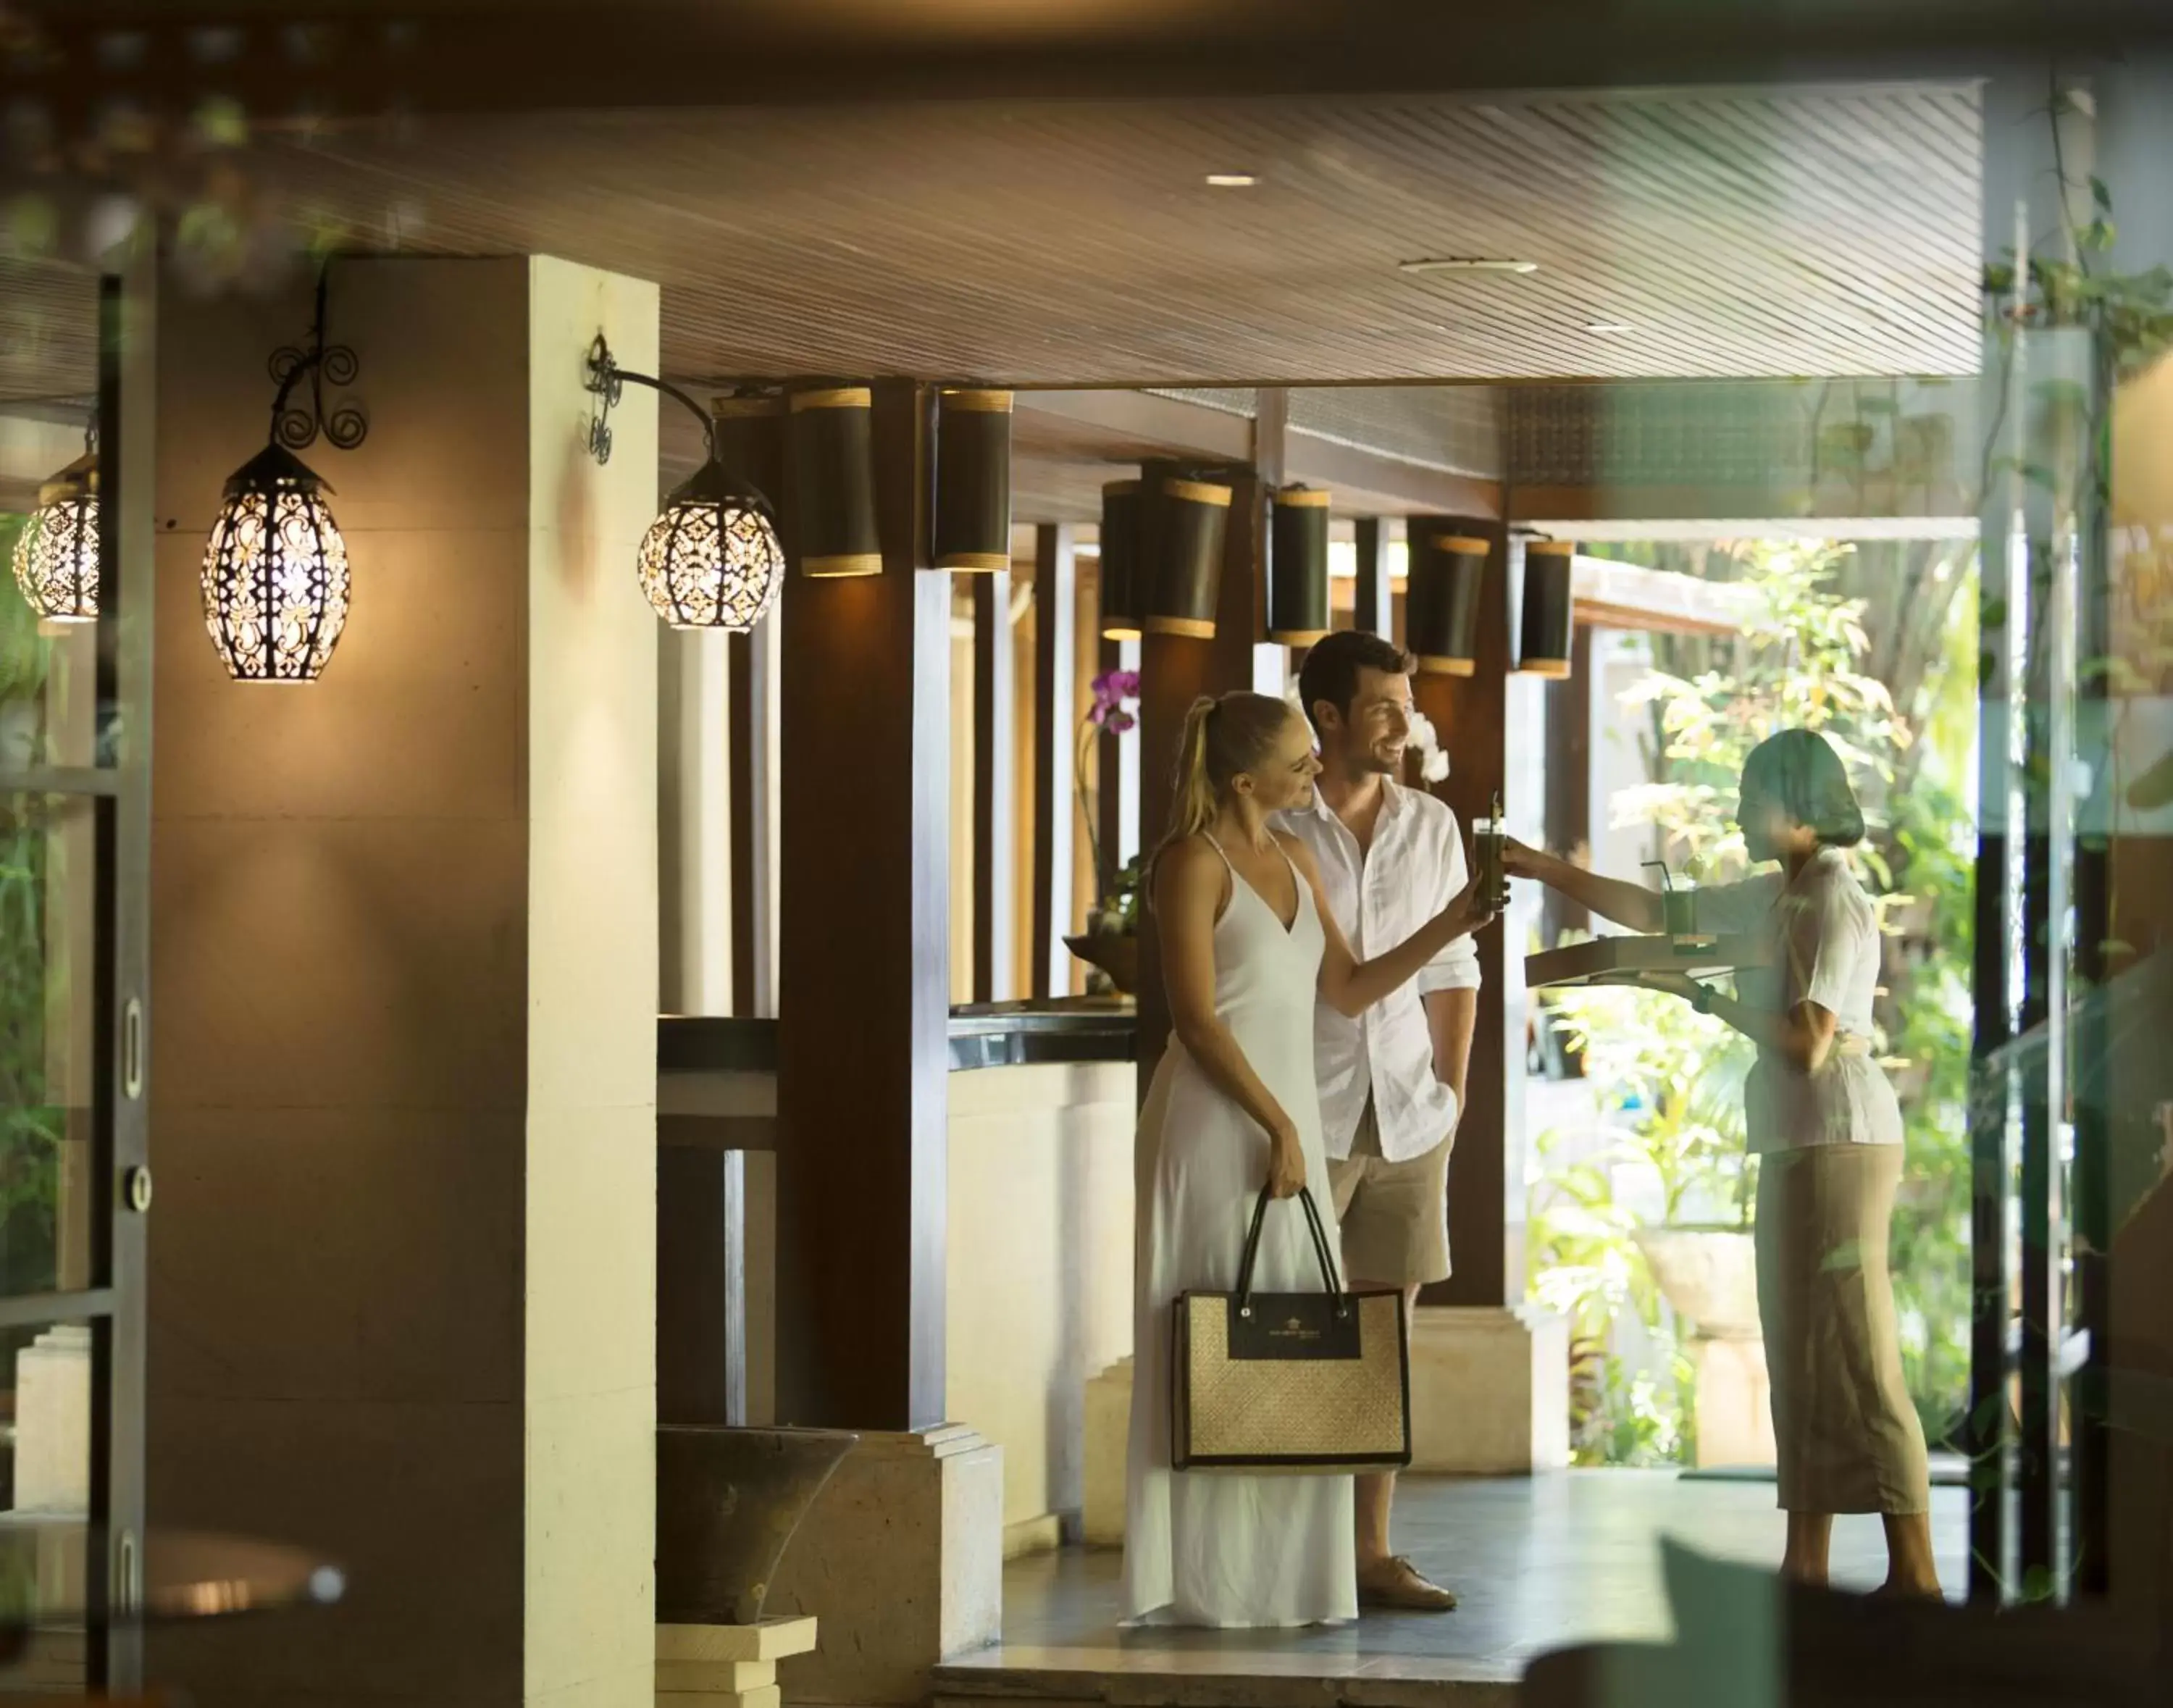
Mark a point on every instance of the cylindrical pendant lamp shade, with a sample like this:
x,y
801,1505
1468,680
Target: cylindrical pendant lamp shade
x,y
833,483
749,440
1542,648
1186,521
973,481
1121,561
1441,602
1297,568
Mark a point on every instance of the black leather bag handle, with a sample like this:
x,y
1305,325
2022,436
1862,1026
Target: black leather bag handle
x,y
1329,1282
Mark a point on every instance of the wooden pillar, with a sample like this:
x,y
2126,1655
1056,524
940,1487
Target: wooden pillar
x,y
1470,713
996,878
1056,785
1569,780
1374,610
864,999
1174,672
747,686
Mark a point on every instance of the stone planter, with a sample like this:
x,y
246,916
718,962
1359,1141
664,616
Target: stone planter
x,y
728,1501
1710,1276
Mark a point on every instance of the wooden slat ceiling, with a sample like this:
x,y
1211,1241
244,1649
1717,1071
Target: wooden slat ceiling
x,y
1815,231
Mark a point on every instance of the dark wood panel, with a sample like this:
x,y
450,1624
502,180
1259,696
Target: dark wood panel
x,y
862,1037
701,1286
994,730
1174,672
1055,783
1470,713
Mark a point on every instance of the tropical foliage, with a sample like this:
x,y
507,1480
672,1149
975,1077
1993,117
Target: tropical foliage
x,y
1671,1078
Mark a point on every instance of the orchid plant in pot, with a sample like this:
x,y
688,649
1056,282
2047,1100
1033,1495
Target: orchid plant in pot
x,y
1111,942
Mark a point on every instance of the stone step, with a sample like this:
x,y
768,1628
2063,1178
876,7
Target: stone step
x,y
1118,1678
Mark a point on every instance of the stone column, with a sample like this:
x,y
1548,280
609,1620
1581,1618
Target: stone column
x,y
403,1009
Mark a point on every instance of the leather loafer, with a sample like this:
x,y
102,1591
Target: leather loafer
x,y
1397,1586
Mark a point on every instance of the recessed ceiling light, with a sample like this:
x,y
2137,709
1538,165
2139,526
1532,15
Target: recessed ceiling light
x,y
1467,264
1232,181
1609,326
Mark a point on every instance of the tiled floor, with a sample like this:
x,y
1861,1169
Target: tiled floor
x,y
1539,1563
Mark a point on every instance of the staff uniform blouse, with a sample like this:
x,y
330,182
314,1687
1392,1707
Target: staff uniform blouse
x,y
1825,944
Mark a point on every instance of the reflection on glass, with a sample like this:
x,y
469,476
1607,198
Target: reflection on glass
x,y
48,1036
45,1489
50,710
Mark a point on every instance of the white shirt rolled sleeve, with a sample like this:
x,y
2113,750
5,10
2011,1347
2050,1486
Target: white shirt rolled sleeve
x,y
1414,869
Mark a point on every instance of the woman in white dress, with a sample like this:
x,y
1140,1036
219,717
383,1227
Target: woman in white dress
x,y
1819,1115
1246,943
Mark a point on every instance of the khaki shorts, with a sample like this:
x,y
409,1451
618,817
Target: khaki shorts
x,y
1395,1215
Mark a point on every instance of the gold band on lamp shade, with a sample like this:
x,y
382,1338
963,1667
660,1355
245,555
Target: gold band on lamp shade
x,y
1297,567
1181,534
832,445
1545,634
973,481
1441,602
1120,560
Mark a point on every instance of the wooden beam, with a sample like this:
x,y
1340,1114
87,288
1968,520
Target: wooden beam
x,y
1055,784
1386,484
1471,715
445,59
994,773
1126,426
863,1047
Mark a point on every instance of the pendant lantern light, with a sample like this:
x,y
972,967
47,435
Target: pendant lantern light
x,y
712,559
275,583
1121,561
1298,571
833,483
1542,648
1184,525
1441,602
56,553
973,481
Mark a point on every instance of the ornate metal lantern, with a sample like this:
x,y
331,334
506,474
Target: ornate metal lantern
x,y
276,584
57,552
713,560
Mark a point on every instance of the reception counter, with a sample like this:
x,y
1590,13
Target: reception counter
x,y
1039,1209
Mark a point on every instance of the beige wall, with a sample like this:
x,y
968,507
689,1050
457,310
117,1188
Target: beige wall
x,y
1040,1277
403,1014
1040,1285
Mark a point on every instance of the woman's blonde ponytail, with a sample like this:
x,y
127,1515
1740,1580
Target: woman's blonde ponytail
x,y
1221,738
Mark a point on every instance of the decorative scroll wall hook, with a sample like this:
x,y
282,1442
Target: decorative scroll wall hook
x,y
346,425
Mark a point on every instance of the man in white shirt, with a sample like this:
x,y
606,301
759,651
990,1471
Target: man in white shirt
x,y
1391,1079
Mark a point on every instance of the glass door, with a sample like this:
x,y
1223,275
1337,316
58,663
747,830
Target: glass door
x,y
75,1186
